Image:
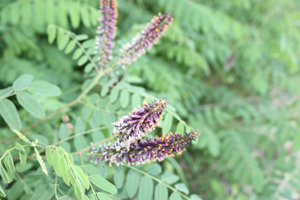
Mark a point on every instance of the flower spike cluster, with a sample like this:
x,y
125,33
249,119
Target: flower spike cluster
x,y
145,39
132,148
140,122
130,52
147,150
105,40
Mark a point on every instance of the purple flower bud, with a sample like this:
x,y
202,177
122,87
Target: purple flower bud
x,y
145,39
149,150
105,41
140,122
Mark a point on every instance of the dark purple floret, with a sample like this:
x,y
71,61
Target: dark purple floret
x,y
149,150
145,39
105,40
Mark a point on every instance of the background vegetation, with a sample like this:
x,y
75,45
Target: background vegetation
x,y
229,68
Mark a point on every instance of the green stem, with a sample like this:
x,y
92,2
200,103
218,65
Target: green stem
x,y
6,152
56,187
94,193
94,145
12,94
159,181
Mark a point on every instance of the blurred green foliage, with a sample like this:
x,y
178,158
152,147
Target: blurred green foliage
x,y
229,68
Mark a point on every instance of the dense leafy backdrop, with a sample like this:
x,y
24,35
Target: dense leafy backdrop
x,y
229,68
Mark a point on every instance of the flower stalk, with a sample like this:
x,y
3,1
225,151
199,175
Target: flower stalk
x,y
145,39
145,150
104,41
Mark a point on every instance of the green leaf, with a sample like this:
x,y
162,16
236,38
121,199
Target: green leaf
x,y
97,136
9,163
71,175
82,60
104,90
114,95
154,169
50,10
132,183
82,37
180,128
44,193
257,180
85,17
2,193
110,118
63,166
74,15
88,43
181,187
15,191
214,144
10,114
7,91
44,88
167,123
86,112
4,175
195,197
136,100
296,143
31,104
118,176
103,196
51,30
49,155
175,196
91,169
80,143
133,79
80,125
40,160
83,177
161,192
55,159
63,132
23,168
124,99
77,54
63,42
71,160
22,82
23,157
78,190
102,169
88,68
146,188
63,188
96,119
19,147
70,46
169,178
103,184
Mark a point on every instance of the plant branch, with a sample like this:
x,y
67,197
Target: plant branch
x,y
159,181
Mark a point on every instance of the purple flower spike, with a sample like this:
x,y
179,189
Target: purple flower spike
x,y
140,122
145,39
149,150
105,40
